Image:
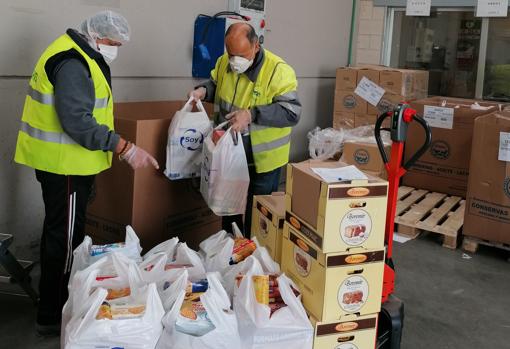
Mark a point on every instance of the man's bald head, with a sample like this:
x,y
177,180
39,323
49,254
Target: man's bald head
x,y
241,40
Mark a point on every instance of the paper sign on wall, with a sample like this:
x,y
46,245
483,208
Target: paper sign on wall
x,y
504,146
418,7
369,91
492,8
439,117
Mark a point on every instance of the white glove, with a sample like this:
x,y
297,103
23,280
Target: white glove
x,y
138,158
198,94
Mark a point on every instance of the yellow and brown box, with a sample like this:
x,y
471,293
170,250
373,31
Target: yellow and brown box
x,y
267,221
335,216
333,285
355,332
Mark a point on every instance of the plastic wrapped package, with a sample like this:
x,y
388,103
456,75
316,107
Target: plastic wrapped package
x,y
278,324
328,143
86,253
199,320
221,251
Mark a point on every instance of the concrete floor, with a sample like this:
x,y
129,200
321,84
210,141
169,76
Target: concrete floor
x,y
450,302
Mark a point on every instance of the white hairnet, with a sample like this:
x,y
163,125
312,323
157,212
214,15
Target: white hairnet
x,y
106,25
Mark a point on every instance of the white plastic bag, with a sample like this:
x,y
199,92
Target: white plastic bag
x,y
115,272
288,327
86,253
216,251
168,247
215,300
186,136
141,331
225,177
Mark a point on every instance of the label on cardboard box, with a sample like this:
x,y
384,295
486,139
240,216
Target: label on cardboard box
x,y
370,91
504,146
355,227
439,117
353,293
489,210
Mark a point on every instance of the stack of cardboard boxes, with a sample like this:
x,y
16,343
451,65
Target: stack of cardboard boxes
x,y
488,195
333,249
444,168
268,216
350,110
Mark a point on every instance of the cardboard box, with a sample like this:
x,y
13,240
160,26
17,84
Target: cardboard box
x,y
349,102
366,157
364,120
333,285
267,222
346,79
335,216
156,207
351,333
343,120
369,73
444,168
488,197
407,83
387,103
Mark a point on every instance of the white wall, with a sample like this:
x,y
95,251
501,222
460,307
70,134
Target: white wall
x,y
313,36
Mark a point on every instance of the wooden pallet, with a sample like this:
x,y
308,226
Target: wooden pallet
x,y
471,244
420,211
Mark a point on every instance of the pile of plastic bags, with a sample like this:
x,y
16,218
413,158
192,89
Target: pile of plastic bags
x,y
229,294
328,143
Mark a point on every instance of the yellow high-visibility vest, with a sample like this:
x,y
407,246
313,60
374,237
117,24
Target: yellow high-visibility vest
x,y
42,143
276,79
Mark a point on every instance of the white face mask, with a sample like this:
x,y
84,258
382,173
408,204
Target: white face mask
x,y
239,64
109,52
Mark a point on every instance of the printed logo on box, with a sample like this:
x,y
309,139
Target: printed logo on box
x,y
347,326
361,156
346,346
192,139
440,150
358,192
350,102
355,227
302,261
506,186
264,226
353,294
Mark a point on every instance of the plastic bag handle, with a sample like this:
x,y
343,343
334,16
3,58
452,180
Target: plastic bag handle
x,y
237,231
189,107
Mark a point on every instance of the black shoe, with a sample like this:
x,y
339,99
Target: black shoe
x,y
48,330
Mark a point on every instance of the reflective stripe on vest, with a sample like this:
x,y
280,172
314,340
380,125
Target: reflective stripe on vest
x,y
277,143
48,99
46,136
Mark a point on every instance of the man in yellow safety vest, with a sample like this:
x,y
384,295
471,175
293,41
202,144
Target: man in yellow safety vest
x,y
67,135
257,91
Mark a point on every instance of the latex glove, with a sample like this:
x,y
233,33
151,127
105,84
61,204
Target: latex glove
x,y
138,158
239,120
198,94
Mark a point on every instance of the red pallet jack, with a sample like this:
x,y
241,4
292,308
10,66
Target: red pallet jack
x,y
391,317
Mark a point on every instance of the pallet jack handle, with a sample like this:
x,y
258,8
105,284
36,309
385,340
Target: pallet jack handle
x,y
401,117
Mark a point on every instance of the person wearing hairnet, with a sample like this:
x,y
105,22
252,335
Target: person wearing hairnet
x,y
257,92
67,135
